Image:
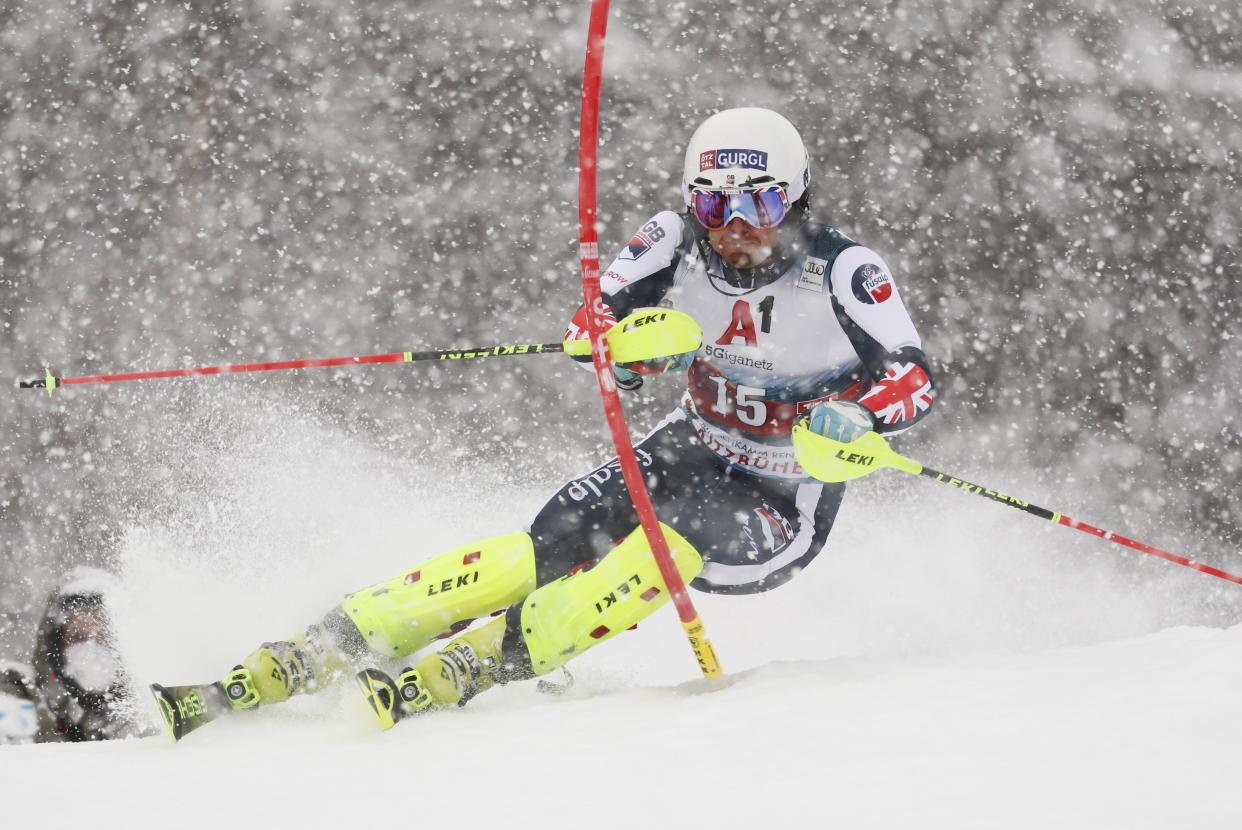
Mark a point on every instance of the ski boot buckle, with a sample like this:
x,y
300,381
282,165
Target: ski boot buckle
x,y
239,689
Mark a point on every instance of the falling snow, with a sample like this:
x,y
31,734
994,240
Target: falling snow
x,y
187,184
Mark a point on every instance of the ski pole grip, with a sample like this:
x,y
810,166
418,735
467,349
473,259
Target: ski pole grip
x,y
48,381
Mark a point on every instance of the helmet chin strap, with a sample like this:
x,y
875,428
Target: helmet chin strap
x,y
801,208
744,279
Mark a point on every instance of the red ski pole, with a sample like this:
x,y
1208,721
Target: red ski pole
x,y
50,382
644,334
830,460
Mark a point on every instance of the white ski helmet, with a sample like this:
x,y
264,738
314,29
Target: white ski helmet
x,y
744,147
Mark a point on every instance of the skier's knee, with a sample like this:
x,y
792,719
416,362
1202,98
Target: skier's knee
x,y
564,618
441,594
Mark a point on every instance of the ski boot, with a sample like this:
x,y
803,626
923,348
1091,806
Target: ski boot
x,y
272,673
276,671
468,665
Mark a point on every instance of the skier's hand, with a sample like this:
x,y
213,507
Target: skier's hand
x,y
630,375
578,330
843,421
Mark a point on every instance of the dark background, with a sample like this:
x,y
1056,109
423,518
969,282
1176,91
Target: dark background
x,y
1055,185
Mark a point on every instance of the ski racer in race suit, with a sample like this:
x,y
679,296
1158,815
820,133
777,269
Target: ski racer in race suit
x,y
799,321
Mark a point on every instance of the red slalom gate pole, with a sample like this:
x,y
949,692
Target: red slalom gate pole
x,y
588,145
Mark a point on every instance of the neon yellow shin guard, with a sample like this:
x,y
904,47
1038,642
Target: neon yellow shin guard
x,y
564,618
400,616
553,624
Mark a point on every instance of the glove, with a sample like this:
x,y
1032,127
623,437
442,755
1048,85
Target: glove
x,y
577,330
630,375
844,421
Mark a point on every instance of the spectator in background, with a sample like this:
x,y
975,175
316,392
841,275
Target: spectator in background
x,y
81,682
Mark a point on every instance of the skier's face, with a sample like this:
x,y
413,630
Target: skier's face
x,y
742,245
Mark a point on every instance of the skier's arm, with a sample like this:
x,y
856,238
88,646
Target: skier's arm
x,y
639,277
875,319
642,273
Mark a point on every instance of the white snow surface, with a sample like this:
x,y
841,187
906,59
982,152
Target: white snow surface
x,y
947,663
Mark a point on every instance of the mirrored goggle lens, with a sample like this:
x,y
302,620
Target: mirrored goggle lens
x,y
762,208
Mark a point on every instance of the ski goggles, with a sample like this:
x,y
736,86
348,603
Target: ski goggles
x,y
763,207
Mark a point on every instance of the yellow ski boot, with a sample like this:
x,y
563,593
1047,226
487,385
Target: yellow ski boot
x,y
274,672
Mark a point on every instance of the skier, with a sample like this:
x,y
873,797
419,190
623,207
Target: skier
x,y
800,322
84,692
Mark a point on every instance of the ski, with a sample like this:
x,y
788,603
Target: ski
x,y
383,695
186,708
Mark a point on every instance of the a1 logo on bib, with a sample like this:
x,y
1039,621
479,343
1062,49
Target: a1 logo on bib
x,y
871,284
812,276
